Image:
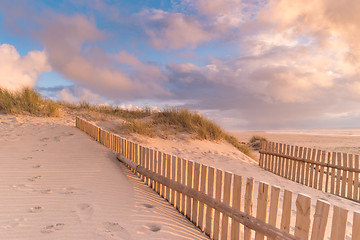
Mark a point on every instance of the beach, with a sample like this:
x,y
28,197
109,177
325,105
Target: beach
x,y
58,183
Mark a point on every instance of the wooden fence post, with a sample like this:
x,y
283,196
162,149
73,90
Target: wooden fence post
x,y
286,211
303,211
209,210
218,190
338,228
320,220
202,189
249,192
262,206
227,191
236,203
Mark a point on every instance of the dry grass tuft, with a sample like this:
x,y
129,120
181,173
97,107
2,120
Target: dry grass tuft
x,y
27,101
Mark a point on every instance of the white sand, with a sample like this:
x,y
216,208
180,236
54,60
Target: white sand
x,y
57,183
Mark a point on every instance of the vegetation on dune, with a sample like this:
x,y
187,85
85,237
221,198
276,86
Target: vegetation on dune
x,y
256,138
27,101
146,122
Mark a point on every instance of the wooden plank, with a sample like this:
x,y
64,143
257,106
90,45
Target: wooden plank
x,y
286,211
356,226
271,167
321,177
311,178
153,166
338,175
268,157
287,164
302,173
173,171
236,203
274,205
303,210
189,175
168,174
226,200
291,163
262,206
147,163
183,181
298,167
283,150
338,228
178,179
280,160
203,178
209,210
261,159
162,162
249,192
333,176
316,174
218,190
350,178
320,220
277,160
344,176
158,170
327,172
356,180
196,185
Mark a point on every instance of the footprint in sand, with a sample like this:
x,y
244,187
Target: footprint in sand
x,y
36,209
46,191
23,187
85,211
52,228
68,190
148,227
114,229
34,179
148,205
14,223
37,166
27,158
45,139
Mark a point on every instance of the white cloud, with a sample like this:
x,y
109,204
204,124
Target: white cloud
x,y
18,71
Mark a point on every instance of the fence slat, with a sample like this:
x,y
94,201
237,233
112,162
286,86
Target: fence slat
x,y
338,174
226,200
298,167
327,172
276,162
286,174
218,190
350,178
236,203
307,168
356,226
202,189
168,175
274,205
286,211
291,162
302,173
313,158
209,210
178,179
162,162
320,220
316,174
356,180
262,206
293,171
302,223
279,169
173,172
338,228
321,177
333,176
183,181
189,184
249,192
344,176
196,183
283,150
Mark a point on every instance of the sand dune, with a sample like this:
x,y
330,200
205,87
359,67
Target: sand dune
x,y
56,183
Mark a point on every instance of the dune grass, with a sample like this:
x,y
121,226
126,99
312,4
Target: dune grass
x,y
141,121
27,101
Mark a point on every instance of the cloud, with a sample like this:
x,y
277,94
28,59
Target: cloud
x,y
70,43
18,71
173,30
76,94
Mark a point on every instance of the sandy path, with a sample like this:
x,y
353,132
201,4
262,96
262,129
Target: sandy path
x,y
57,183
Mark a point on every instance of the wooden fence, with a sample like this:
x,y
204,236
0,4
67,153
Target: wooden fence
x,y
220,203
332,172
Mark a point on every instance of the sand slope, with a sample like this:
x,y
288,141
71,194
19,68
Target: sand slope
x,y
57,183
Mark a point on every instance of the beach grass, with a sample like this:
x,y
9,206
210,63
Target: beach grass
x,y
169,121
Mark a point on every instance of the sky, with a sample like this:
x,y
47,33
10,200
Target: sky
x,y
247,65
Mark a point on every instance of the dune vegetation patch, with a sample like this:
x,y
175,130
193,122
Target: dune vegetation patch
x,y
27,101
